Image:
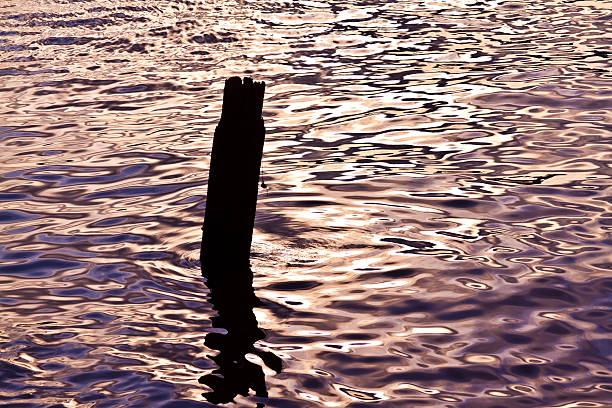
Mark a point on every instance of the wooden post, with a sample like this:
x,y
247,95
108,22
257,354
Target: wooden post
x,y
233,182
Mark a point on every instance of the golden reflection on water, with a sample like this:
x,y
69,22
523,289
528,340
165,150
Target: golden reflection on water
x,y
434,231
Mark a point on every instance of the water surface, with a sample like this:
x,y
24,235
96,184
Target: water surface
x,y
434,231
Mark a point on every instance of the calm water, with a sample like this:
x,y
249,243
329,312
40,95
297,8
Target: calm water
x,y
435,230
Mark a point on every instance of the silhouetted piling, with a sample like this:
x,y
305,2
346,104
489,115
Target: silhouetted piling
x,y
226,243
233,182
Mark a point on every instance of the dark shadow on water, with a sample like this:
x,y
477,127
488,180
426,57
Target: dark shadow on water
x,y
234,300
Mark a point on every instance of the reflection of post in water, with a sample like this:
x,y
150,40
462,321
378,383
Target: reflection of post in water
x,y
236,375
227,233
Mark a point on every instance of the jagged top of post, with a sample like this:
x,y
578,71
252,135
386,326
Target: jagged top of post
x,y
242,100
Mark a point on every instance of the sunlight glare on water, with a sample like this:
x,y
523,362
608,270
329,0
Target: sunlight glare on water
x,y
434,231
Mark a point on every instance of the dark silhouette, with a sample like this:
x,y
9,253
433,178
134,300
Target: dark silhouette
x,y
226,241
233,181
236,375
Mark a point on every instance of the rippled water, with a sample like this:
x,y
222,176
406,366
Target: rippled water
x,y
435,230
